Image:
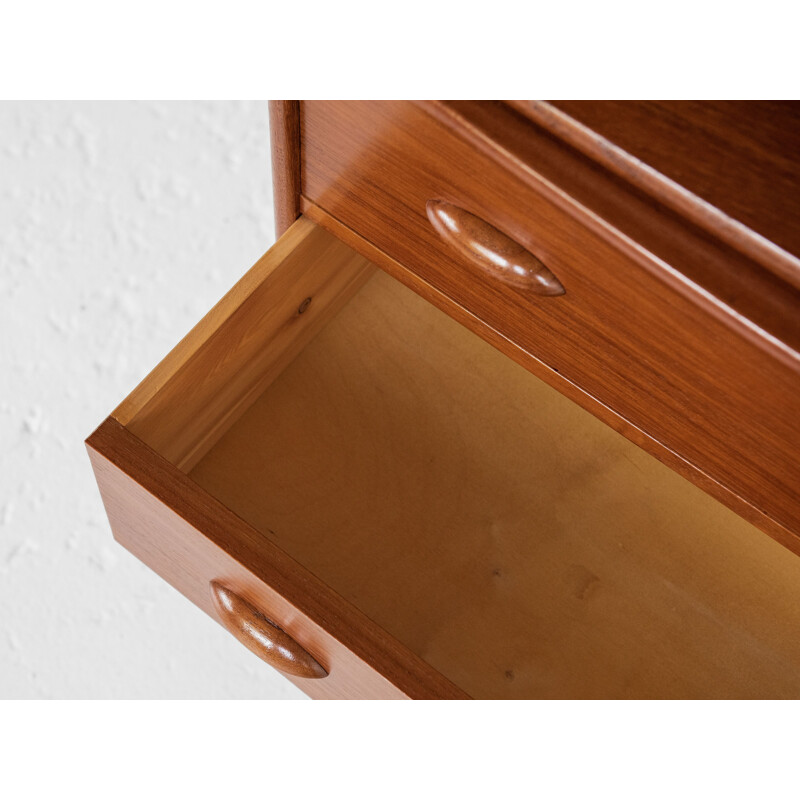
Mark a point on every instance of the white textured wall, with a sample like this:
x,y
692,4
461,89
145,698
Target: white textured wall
x,y
121,224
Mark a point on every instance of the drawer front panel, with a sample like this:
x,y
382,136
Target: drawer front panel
x,y
190,539
696,381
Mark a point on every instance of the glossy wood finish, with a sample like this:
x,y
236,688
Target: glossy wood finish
x,y
746,165
654,328
284,126
261,636
491,250
189,538
243,343
507,537
738,157
744,280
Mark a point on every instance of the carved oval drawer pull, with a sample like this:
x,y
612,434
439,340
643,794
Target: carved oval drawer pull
x,y
263,637
491,249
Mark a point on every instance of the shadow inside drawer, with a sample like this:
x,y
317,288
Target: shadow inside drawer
x,y
516,543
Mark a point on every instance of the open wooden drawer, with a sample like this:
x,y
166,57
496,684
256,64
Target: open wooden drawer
x,y
376,500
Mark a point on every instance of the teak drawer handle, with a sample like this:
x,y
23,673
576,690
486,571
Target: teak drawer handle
x,y
492,250
263,637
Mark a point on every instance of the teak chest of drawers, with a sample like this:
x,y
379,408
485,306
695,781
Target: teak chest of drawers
x,y
506,412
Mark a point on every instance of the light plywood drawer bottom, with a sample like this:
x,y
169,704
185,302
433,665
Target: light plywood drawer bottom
x,y
425,517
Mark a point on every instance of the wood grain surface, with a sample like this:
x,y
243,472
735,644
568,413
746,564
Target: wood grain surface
x,y
189,538
491,250
506,536
284,126
262,636
739,157
640,328
423,517
735,274
229,357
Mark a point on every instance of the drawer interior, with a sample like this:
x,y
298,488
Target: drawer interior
x,y
516,543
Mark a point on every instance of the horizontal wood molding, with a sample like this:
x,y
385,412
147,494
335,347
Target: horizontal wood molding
x,y
730,167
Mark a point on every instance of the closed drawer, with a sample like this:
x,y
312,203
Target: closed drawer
x,y
423,517
693,346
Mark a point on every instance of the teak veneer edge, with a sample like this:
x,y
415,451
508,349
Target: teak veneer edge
x,y
284,126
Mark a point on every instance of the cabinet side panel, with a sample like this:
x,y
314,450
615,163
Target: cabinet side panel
x,y
284,126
